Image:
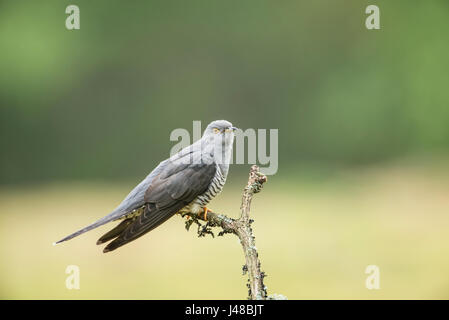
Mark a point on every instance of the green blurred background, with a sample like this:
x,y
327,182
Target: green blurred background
x,y
363,121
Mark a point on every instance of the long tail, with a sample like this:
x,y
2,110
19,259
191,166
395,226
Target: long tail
x,y
110,217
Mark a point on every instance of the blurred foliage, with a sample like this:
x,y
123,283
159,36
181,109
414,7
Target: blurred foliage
x,y
101,102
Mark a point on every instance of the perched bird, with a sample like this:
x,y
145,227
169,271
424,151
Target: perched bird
x,y
186,182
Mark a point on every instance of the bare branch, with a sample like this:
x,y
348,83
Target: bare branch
x,y
241,227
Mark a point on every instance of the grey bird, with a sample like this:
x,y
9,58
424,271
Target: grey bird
x,y
185,182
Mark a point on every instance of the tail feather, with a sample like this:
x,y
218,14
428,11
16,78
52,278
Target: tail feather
x,y
114,233
151,218
110,217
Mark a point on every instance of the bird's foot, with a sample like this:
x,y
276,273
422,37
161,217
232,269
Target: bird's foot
x,y
206,210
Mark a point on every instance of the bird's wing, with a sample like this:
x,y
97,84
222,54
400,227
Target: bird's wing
x,y
174,188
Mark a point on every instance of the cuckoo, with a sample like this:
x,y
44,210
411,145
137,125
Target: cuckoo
x,y
184,183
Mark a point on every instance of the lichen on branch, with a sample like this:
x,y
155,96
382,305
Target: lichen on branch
x,y
241,227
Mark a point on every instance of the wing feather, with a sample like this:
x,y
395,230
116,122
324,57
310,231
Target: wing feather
x,y
169,192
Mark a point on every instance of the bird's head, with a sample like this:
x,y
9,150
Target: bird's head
x,y
221,134
221,129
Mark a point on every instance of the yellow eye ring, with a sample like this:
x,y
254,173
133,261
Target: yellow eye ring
x,y
216,130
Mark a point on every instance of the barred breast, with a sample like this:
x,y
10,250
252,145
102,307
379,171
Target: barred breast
x,y
215,187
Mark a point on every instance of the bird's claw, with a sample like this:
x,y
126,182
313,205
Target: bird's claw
x,y
205,213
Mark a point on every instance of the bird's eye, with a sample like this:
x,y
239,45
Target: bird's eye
x,y
216,130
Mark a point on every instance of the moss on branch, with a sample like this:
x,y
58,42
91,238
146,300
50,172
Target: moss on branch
x,y
241,227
